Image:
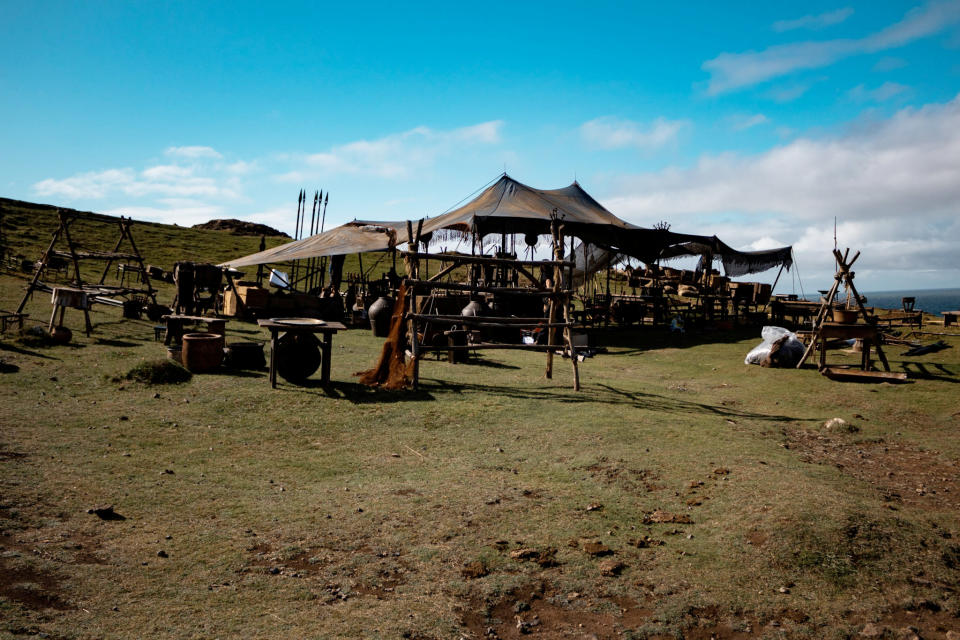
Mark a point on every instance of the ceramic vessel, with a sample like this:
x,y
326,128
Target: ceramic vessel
x,y
202,351
380,313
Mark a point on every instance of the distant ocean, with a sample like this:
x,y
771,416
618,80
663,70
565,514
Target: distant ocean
x,y
933,301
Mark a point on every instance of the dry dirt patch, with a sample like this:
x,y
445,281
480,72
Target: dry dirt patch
x,y
903,474
539,610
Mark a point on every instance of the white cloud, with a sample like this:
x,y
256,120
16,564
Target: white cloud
x,y
787,94
814,22
889,63
396,155
732,71
92,184
160,180
893,184
744,122
608,132
240,167
193,152
884,92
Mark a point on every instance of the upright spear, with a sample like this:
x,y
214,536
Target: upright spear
x,y
301,199
323,260
311,262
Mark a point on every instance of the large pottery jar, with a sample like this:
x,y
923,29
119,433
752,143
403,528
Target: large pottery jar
x,y
380,314
474,309
202,351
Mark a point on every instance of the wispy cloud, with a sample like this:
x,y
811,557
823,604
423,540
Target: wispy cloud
x,y
895,184
889,63
788,93
732,71
884,92
193,152
160,180
396,155
608,132
744,122
814,22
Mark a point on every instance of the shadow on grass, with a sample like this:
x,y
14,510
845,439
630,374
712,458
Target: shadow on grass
x,y
108,342
608,395
488,364
632,340
24,352
358,393
921,371
241,373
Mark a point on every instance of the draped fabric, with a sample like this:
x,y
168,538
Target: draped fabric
x,y
735,263
507,207
353,237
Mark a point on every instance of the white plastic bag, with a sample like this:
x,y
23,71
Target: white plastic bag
x,y
791,351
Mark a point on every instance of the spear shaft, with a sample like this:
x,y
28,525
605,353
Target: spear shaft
x,y
311,262
323,260
301,198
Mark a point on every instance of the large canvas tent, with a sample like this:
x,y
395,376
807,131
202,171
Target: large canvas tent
x,y
511,207
505,207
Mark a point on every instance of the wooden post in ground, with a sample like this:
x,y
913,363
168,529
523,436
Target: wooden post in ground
x,y
557,275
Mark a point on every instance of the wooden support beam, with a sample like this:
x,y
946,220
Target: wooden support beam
x,y
487,320
455,286
446,257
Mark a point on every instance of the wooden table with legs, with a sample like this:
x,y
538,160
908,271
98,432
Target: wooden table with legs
x,y
835,331
302,325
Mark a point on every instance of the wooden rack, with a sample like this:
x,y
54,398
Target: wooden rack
x,y
98,292
558,330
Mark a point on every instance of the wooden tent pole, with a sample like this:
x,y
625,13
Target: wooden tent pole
x,y
552,313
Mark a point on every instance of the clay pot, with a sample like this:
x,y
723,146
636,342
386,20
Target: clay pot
x,y
202,352
845,316
474,309
61,335
244,355
380,314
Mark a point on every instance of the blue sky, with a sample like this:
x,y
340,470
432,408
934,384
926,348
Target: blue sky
x,y
759,122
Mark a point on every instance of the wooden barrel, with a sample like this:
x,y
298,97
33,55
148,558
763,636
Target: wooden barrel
x,y
202,351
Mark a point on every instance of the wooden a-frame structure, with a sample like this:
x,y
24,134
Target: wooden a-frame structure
x,y
844,275
99,292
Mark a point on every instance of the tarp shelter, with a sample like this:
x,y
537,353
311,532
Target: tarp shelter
x,y
735,263
353,237
505,207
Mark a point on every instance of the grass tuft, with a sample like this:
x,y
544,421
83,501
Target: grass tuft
x,y
159,372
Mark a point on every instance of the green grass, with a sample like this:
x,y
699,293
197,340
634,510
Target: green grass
x,y
368,504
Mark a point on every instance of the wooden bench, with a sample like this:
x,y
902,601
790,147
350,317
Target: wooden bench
x,y
951,317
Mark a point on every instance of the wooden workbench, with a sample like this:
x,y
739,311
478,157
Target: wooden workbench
x,y
277,325
835,331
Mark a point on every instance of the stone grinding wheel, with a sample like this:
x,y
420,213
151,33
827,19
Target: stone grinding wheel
x,y
298,356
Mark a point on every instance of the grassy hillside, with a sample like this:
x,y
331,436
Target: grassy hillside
x,y
681,494
28,228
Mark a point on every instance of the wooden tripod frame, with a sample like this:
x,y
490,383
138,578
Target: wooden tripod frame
x,y
844,275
